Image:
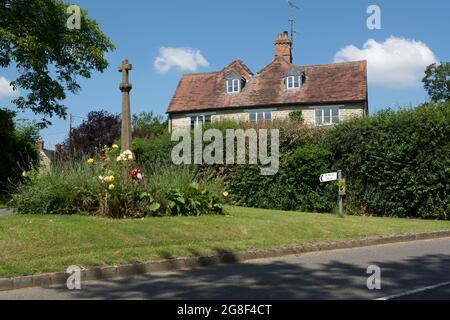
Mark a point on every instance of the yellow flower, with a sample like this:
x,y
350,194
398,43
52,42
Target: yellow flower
x,y
90,162
101,178
24,174
226,194
111,187
110,179
115,146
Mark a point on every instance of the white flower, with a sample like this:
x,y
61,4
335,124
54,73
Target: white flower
x,y
125,156
139,176
128,155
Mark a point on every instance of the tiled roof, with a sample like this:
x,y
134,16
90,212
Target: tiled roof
x,y
328,83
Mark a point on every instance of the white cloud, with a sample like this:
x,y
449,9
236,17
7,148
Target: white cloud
x,y
397,62
185,59
6,90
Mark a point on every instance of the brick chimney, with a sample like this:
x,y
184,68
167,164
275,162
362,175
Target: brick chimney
x,y
283,46
58,148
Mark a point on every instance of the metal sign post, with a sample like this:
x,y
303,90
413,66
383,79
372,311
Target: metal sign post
x,y
337,176
342,193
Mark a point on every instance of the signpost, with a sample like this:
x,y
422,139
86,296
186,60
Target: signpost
x,y
328,177
342,184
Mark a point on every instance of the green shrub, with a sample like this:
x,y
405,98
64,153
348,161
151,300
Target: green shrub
x,y
297,116
397,163
18,152
194,201
300,176
296,186
68,188
148,125
154,151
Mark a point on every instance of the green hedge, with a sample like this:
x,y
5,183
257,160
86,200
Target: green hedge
x,y
18,153
153,152
397,163
296,186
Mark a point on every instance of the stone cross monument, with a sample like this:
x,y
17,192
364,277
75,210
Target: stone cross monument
x,y
125,87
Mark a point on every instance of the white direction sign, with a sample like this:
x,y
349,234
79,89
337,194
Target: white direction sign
x,y
328,177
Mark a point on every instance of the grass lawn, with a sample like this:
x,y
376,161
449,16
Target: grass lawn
x,y
35,244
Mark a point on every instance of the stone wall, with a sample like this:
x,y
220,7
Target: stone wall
x,y
183,121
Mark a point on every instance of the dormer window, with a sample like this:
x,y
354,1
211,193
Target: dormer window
x,y
233,86
234,83
293,82
294,79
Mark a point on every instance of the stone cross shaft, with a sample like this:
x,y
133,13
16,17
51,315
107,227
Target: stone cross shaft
x,y
126,87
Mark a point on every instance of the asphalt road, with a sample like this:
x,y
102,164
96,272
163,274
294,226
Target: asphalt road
x,y
417,270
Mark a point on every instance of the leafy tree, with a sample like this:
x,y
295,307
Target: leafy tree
x,y
19,152
437,82
28,129
34,37
147,125
101,128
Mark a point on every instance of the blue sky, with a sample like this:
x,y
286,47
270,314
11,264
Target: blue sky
x,y
413,33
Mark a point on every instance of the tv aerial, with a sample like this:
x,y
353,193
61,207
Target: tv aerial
x,y
293,7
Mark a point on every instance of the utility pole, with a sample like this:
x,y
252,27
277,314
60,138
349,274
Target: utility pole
x,y
70,125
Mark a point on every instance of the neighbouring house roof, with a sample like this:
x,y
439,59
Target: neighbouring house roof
x,y
327,83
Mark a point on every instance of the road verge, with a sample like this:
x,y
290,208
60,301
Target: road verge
x,y
123,271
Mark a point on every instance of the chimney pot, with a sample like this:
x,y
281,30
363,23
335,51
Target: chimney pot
x,y
58,148
283,46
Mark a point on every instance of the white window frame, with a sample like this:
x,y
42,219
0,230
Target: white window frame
x,y
322,109
233,86
200,119
290,82
264,114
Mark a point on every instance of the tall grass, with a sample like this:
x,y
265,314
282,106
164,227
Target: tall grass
x,y
67,188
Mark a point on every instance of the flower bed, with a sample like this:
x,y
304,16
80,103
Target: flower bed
x,y
112,185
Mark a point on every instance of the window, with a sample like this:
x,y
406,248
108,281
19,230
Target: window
x,y
260,116
294,78
233,86
327,115
234,82
293,82
200,120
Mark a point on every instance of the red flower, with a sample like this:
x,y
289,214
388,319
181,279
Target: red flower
x,y
137,174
